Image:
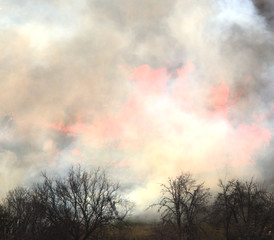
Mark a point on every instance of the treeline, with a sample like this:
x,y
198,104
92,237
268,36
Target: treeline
x,y
81,205
88,205
241,210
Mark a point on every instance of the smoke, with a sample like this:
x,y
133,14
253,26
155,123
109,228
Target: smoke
x,y
146,89
265,8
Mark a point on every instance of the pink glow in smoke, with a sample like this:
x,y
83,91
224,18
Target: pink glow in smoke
x,y
158,118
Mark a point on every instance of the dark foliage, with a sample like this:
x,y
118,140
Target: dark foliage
x,y
78,206
245,210
183,206
87,205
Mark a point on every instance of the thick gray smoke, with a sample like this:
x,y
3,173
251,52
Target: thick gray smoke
x,y
65,72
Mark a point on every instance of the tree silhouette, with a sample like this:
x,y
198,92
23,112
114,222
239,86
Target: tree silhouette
x,y
245,208
183,204
81,203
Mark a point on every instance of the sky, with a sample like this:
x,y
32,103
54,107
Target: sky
x,y
145,89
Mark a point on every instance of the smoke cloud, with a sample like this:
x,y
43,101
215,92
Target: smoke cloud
x,y
145,89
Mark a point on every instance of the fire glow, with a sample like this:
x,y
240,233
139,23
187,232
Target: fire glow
x,y
181,86
162,123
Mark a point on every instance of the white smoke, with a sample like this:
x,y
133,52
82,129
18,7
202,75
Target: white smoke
x,y
67,63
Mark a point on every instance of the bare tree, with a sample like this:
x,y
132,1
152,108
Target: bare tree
x,y
21,216
224,207
245,208
82,202
17,212
183,204
5,221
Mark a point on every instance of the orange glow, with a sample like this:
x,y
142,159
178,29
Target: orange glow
x,y
220,97
150,81
73,130
165,125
